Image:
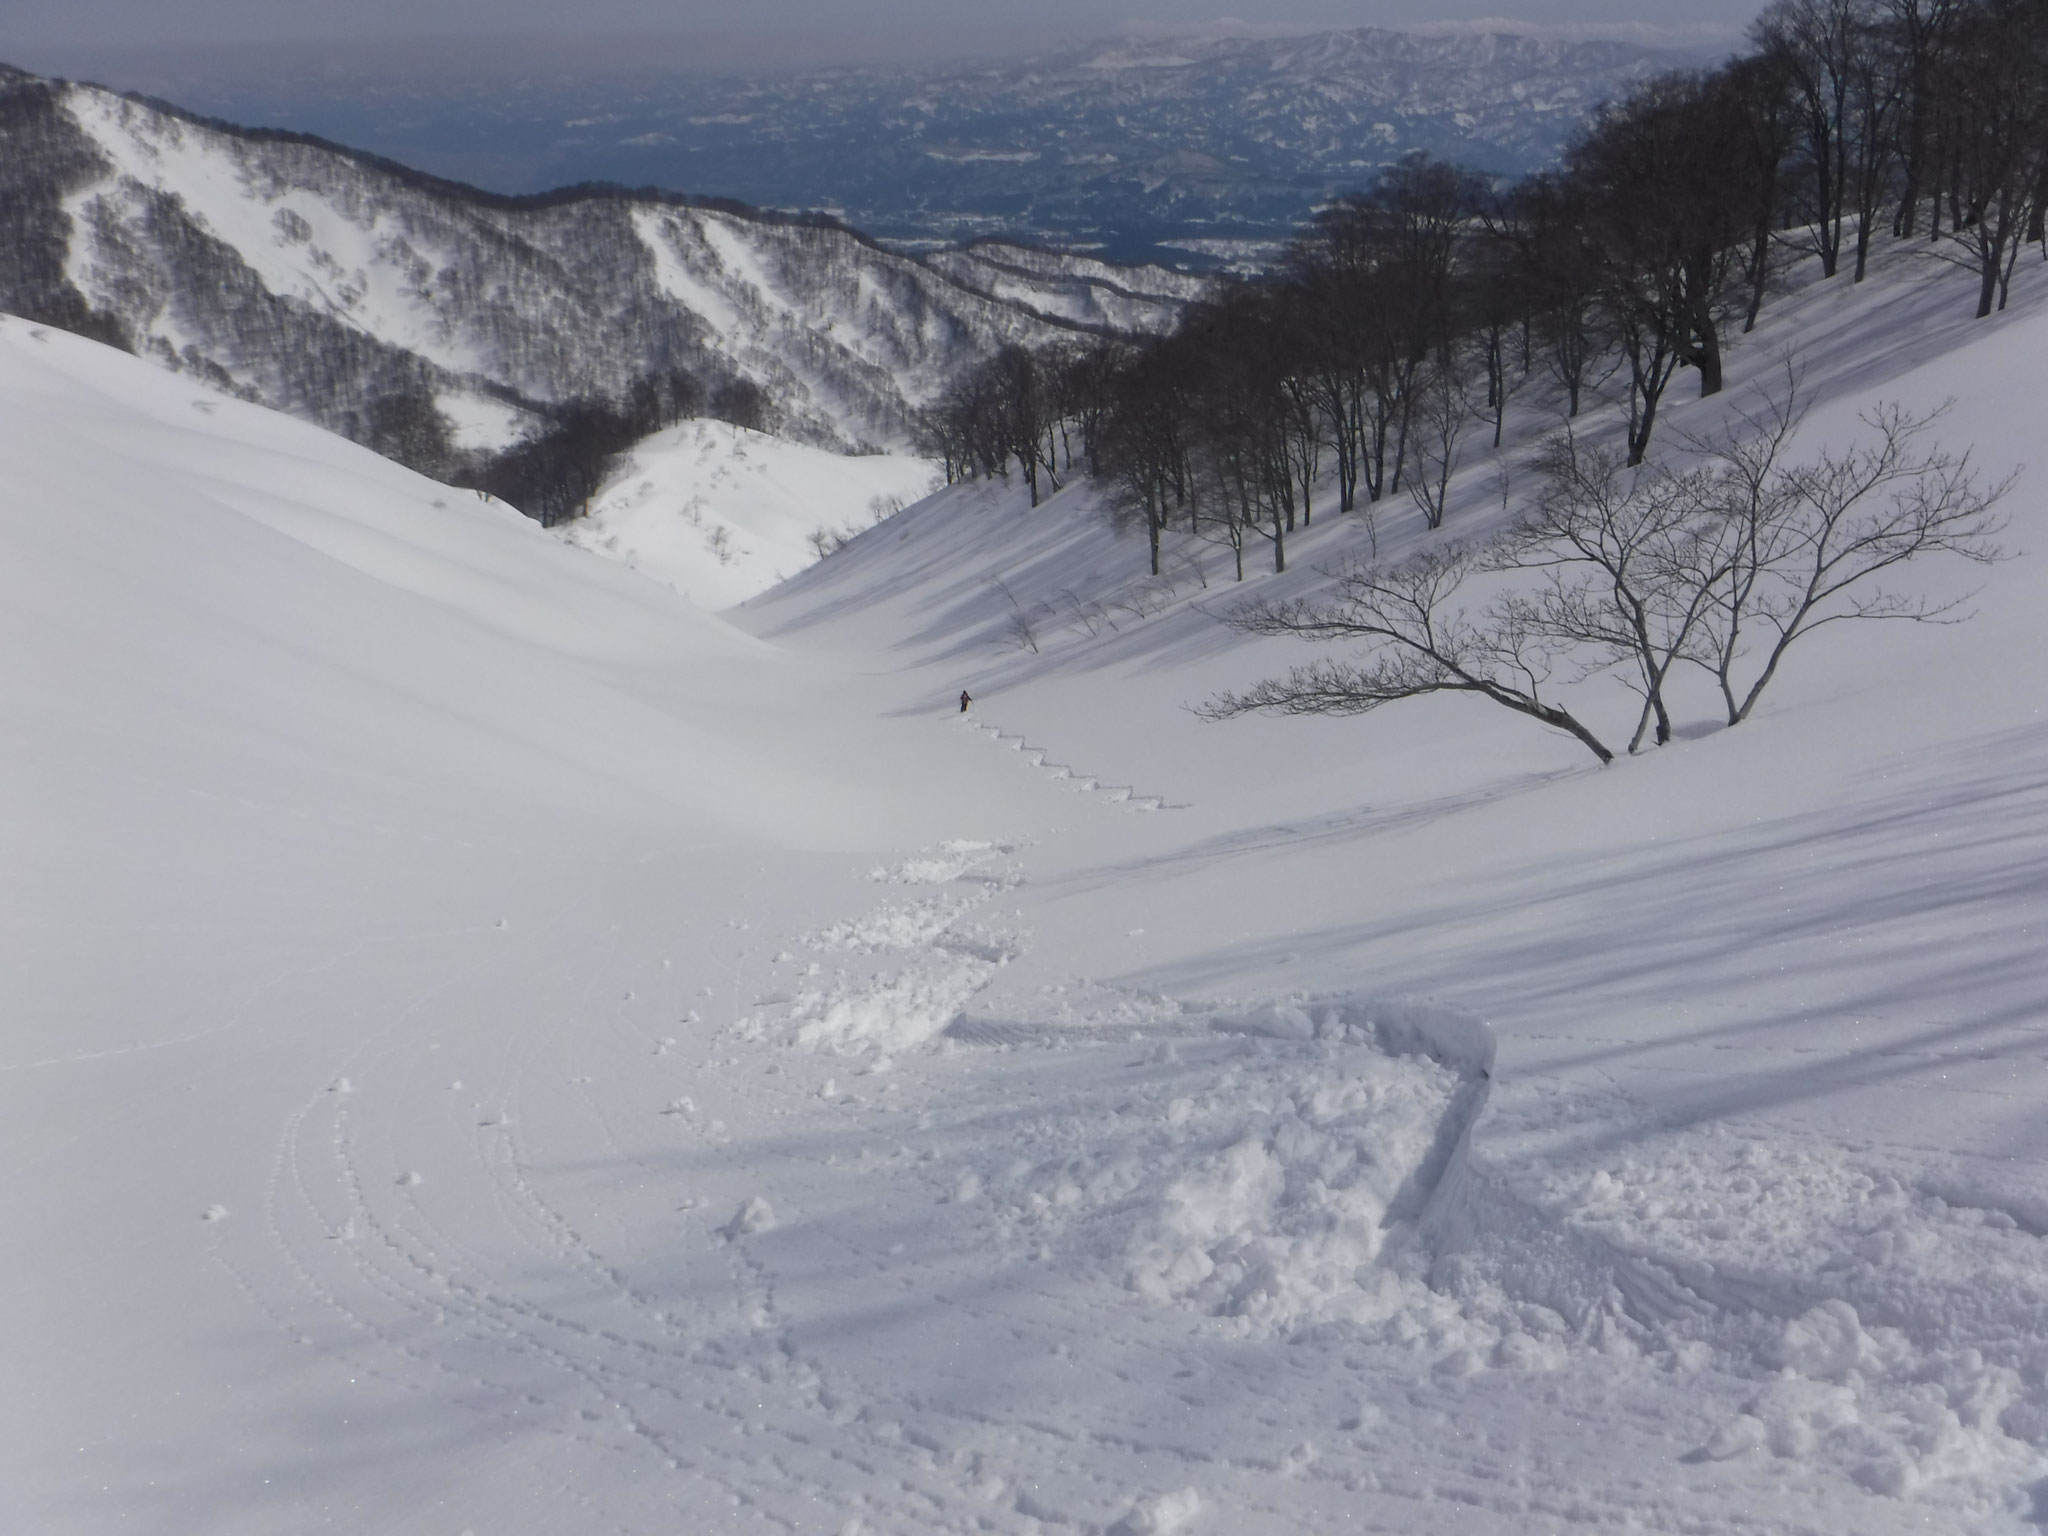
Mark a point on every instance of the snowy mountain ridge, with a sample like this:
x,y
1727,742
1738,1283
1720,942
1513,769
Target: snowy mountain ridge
x,y
317,281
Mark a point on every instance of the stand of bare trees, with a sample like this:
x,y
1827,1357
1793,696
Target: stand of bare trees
x,y
1899,104
552,475
1725,567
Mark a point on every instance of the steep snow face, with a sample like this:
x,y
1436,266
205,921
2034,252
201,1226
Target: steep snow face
x,y
491,1046
315,281
334,770
231,591
719,513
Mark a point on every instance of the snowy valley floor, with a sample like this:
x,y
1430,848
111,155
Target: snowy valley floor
x,y
490,1048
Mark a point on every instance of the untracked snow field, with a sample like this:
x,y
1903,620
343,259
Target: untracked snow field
x,y
720,513
491,1047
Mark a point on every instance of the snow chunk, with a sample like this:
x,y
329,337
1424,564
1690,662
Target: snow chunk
x,y
949,861
950,960
892,1013
1161,1515
754,1215
1740,1435
1827,1344
1285,1222
908,926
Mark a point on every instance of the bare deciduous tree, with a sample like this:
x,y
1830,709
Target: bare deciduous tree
x,y
1817,543
1440,414
1726,565
1628,561
1668,181
1995,91
1562,277
1416,643
1814,43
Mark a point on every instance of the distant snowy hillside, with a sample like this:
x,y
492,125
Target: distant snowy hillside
x,y
318,280
719,513
1071,286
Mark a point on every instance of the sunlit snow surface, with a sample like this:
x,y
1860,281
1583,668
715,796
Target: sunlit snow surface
x,y
490,1046
719,513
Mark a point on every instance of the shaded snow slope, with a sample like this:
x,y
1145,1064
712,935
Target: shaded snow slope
x,y
1766,1124
494,1048
719,513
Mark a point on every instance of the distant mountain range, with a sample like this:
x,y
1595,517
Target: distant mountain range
x,y
1176,146
319,280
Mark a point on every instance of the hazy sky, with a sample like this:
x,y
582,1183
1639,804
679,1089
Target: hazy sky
x,y
72,35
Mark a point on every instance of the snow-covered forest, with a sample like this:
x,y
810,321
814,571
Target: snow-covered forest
x,y
1116,999
1408,322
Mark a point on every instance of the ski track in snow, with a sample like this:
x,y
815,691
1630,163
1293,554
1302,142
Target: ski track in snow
x,y
1121,794
1235,1185
1249,1177
411,1298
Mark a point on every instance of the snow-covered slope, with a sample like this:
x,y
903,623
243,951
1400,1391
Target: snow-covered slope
x,y
491,1048
322,777
719,513
1748,1234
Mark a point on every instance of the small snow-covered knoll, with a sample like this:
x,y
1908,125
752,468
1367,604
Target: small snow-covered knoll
x,y
719,513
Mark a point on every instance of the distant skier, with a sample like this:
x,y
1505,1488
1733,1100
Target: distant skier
x,y
965,700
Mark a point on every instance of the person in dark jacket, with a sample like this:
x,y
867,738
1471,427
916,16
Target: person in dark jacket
x,y
965,700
